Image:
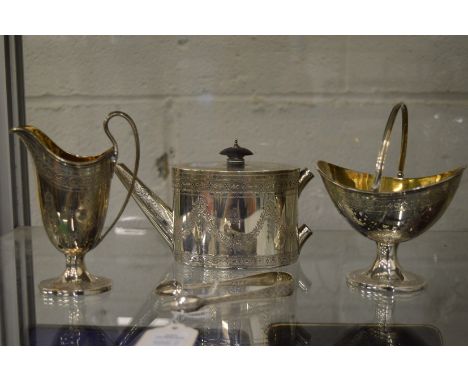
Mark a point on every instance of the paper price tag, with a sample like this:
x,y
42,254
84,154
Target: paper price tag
x,y
171,335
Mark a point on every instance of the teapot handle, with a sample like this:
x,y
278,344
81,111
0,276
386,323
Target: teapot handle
x,y
386,142
116,152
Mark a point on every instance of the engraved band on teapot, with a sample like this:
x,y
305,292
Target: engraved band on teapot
x,y
234,183
227,261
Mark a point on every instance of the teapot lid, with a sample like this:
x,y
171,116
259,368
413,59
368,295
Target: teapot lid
x,y
236,163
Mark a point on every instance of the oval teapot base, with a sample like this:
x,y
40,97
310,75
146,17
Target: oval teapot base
x,y
236,261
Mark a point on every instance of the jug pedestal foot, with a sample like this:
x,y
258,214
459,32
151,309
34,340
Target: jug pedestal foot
x,y
59,287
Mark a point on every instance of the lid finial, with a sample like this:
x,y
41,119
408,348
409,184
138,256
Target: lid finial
x,y
236,155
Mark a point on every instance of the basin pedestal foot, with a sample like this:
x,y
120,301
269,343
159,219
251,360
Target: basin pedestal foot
x,y
386,274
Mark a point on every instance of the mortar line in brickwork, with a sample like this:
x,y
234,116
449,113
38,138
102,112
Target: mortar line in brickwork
x,y
373,98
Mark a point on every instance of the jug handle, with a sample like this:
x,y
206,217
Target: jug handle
x,y
116,152
386,142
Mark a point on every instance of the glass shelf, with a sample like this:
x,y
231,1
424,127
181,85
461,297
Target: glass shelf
x,y
323,310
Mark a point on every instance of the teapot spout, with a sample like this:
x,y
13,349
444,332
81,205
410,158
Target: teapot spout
x,y
159,213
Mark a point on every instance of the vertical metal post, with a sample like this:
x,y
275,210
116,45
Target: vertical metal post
x,y
17,310
14,184
6,210
6,197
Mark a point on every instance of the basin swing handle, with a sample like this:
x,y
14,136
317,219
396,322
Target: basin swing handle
x,y
379,166
116,152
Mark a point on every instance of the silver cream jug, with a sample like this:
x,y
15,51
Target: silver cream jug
x,y
73,197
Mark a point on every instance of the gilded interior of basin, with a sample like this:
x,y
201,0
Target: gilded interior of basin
x,y
362,181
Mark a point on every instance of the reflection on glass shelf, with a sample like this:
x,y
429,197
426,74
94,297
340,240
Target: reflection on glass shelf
x,y
140,263
353,335
131,226
231,322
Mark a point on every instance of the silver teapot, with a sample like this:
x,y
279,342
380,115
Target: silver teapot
x,y
229,214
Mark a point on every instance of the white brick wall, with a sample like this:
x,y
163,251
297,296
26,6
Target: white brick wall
x,y
289,99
